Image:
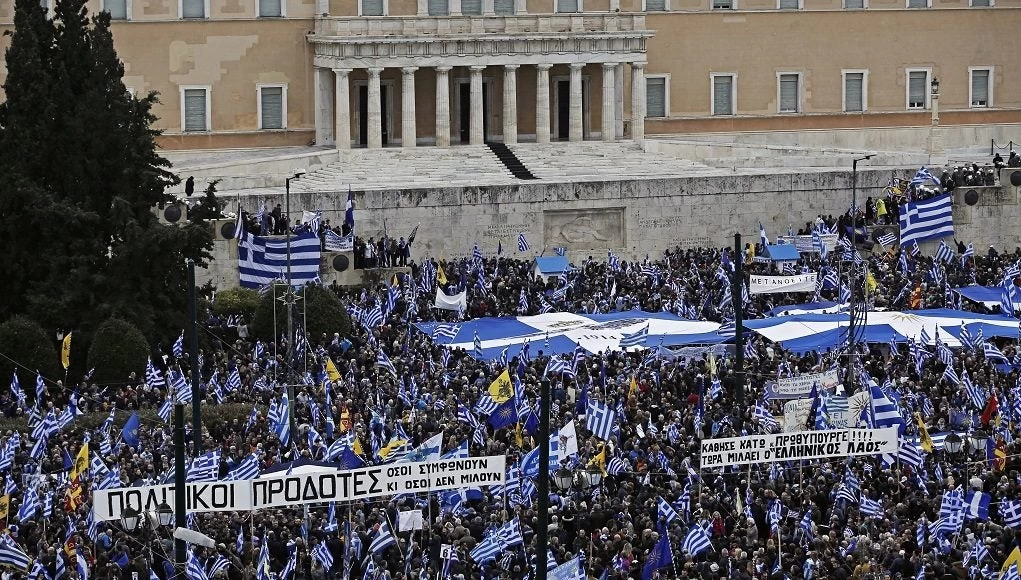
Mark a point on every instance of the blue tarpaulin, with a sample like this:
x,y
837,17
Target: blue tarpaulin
x,y
782,252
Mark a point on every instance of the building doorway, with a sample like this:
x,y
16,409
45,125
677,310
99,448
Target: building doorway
x,y
363,113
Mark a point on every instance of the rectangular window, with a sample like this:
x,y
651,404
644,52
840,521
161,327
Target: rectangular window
x,y
981,3
503,6
439,8
790,93
854,92
854,4
788,4
723,94
723,4
195,108
471,7
568,6
118,9
372,8
655,5
980,89
272,107
918,89
655,96
918,3
270,8
193,8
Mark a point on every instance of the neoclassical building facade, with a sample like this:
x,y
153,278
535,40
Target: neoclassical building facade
x,y
405,73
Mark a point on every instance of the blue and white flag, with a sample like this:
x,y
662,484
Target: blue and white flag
x,y
926,220
205,468
697,541
664,510
600,419
248,468
263,260
976,505
636,339
522,242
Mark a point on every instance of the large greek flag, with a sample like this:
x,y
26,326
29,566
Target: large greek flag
x,y
927,220
263,260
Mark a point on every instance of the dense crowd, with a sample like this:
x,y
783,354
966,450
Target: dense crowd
x,y
814,519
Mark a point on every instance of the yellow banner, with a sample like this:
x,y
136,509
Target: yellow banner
x,y
65,352
501,390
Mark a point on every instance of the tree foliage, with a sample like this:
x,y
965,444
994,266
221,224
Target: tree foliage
x,y
118,349
321,311
209,207
236,301
30,345
79,176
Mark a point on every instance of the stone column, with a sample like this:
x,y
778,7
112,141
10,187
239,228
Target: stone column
x,y
476,136
542,104
323,107
442,106
576,126
638,101
609,125
510,104
409,135
342,110
375,107
618,98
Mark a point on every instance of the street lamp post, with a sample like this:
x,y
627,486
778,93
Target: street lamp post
x,y
542,534
935,145
855,307
934,85
289,299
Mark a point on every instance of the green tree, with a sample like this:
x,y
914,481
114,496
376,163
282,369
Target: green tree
x,y
118,349
321,310
209,207
236,301
79,175
26,343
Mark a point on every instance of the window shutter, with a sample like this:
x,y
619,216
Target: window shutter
x,y
723,89
567,5
438,8
472,7
372,7
789,93
272,108
854,84
789,5
118,9
655,5
193,9
269,8
979,88
916,90
195,110
655,97
503,6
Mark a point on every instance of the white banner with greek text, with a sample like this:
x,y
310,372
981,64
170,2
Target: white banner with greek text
x,y
307,488
796,446
801,385
775,284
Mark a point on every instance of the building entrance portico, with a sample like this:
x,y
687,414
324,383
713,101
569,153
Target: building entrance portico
x,y
472,70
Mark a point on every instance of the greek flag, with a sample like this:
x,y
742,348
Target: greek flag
x,y
697,541
870,507
887,240
522,242
384,361
600,419
383,539
1010,512
665,510
263,260
478,346
448,331
993,354
194,570
247,469
884,411
636,339
560,251
205,468
944,253
153,378
280,418
220,564
179,346
322,553
12,555
766,419
926,220
923,175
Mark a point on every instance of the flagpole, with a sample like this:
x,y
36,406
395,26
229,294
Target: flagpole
x,y
196,375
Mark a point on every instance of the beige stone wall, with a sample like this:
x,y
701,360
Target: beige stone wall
x,y
234,51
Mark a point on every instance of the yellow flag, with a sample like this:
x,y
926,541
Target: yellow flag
x,y
923,434
600,460
1013,558
870,283
393,445
357,448
331,370
712,365
81,462
65,352
5,506
501,390
633,389
518,440
441,276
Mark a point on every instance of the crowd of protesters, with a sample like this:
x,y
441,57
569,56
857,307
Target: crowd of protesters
x,y
785,520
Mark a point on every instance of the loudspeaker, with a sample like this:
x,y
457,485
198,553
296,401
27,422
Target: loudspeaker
x,y
223,230
172,214
1015,178
341,262
971,197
